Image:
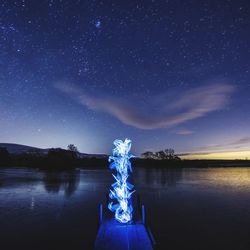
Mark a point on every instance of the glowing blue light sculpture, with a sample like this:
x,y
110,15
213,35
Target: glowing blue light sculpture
x,y
121,190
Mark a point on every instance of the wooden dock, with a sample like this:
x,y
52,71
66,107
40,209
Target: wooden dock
x,y
113,235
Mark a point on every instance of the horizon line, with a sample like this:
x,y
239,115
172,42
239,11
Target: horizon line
x,y
215,155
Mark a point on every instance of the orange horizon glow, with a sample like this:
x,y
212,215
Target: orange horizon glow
x,y
230,155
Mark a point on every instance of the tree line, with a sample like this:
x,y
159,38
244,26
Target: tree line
x,y
55,158
58,158
167,154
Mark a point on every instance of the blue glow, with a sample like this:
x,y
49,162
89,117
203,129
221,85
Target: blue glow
x,y
121,190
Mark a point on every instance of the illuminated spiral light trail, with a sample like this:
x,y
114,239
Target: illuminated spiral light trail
x,y
121,190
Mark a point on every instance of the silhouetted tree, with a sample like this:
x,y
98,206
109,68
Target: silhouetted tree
x,y
72,147
4,156
167,154
148,155
61,158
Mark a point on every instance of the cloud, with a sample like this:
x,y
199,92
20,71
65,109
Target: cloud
x,y
158,111
191,154
239,143
184,132
244,140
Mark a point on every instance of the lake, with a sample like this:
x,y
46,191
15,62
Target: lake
x,y
186,208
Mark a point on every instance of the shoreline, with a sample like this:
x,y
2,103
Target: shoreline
x,y
102,163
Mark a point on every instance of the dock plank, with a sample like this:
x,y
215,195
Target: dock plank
x,y
113,235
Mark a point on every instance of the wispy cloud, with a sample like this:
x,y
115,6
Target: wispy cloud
x,y
234,144
157,111
184,132
240,145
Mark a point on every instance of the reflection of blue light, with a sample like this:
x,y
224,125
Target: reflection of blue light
x,y
121,190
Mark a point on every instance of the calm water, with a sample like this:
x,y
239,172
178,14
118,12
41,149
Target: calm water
x,y
187,209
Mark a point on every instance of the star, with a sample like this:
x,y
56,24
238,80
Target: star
x,y
127,77
98,24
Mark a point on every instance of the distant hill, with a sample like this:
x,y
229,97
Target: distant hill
x,y
20,149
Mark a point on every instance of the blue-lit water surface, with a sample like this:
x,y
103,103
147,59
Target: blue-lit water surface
x,y
186,209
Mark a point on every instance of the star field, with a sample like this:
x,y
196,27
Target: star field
x,y
163,73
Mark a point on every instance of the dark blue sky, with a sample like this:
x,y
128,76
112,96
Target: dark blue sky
x,y
162,73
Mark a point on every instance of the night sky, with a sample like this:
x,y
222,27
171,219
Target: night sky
x,y
162,73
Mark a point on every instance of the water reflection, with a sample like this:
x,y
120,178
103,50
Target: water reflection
x,y
21,179
195,205
158,177
16,177
67,181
